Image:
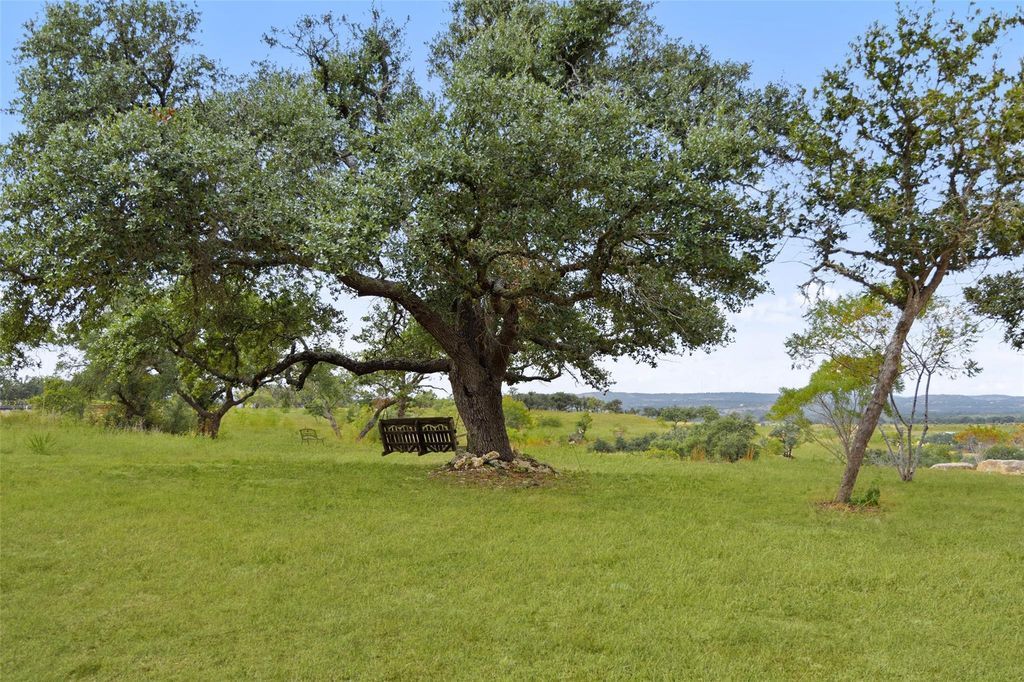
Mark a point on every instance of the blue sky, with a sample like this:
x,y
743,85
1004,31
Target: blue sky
x,y
792,42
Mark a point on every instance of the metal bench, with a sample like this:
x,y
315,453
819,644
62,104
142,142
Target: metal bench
x,y
418,434
310,436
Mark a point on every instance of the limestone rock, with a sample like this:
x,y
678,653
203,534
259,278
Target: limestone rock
x,y
953,465
1003,466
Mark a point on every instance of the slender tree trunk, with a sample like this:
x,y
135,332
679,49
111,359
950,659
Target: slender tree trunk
x,y
373,419
368,425
887,376
403,406
477,396
329,416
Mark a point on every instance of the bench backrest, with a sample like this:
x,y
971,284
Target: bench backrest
x,y
418,434
307,434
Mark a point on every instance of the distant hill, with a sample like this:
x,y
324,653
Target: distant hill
x,y
942,407
725,402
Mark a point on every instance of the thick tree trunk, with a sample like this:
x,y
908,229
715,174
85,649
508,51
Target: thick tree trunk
x,y
209,423
887,376
477,396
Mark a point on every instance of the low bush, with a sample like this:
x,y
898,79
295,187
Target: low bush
x,y
174,416
940,438
658,453
727,439
773,447
583,423
938,454
877,457
517,416
670,442
61,397
41,444
869,498
549,422
1004,452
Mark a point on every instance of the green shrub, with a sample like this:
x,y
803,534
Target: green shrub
x,y
583,423
869,498
773,447
940,438
42,444
1004,452
658,453
174,416
517,415
550,422
637,444
938,454
786,435
729,438
877,457
62,397
726,438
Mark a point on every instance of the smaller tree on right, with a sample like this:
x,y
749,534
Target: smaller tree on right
x,y
847,335
914,149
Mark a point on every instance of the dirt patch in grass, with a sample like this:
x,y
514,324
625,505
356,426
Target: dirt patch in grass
x,y
842,507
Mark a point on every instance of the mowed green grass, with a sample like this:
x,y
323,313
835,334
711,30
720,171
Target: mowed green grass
x,y
130,556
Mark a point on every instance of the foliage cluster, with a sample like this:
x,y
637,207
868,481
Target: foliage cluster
x,y
517,415
978,438
138,406
561,401
728,438
676,413
14,390
1005,451
871,497
60,396
971,443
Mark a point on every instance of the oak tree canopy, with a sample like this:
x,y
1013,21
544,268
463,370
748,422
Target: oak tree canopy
x,y
573,185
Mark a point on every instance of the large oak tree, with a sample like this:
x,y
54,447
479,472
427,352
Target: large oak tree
x,y
573,186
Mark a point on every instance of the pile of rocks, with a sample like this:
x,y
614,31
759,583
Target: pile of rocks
x,y
492,462
999,466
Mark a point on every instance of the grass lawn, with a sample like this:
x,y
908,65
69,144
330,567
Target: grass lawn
x,y
129,555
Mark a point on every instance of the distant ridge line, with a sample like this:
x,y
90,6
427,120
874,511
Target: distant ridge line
x,y
756,404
